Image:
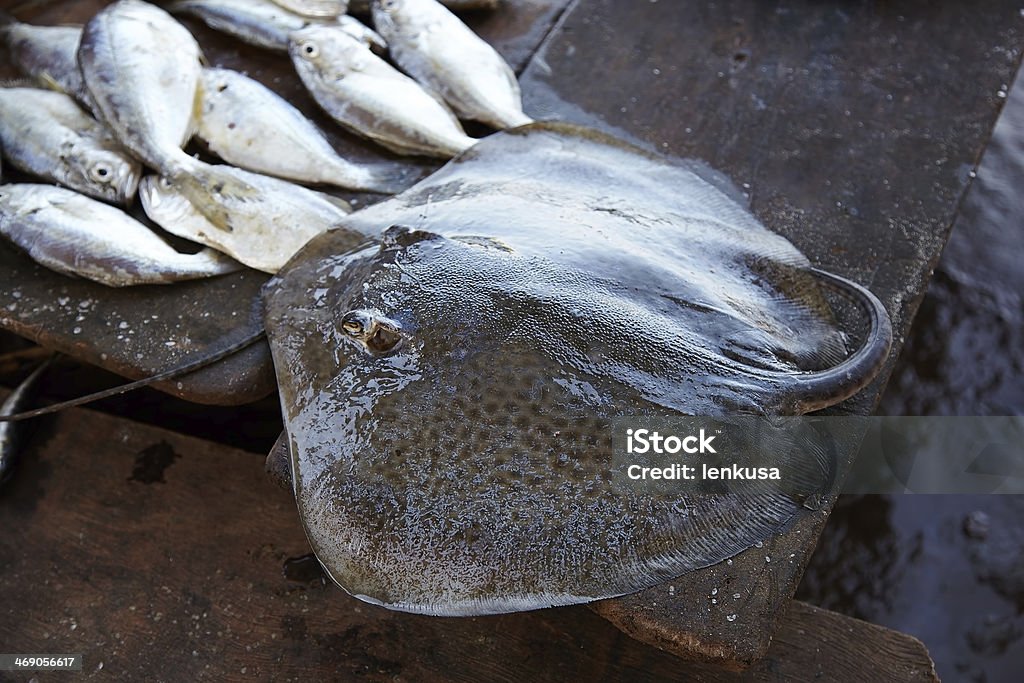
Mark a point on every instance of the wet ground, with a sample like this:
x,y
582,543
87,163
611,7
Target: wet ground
x,y
950,569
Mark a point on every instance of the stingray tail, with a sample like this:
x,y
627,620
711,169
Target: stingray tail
x,y
183,369
816,390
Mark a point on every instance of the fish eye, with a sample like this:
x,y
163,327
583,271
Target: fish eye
x,y
356,323
101,172
164,183
379,335
309,50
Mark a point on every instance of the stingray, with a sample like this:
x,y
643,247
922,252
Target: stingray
x,y
450,361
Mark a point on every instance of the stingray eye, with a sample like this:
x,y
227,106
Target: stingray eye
x,y
101,172
378,334
309,49
356,324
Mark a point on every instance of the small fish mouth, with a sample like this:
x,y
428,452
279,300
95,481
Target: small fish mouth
x,y
129,186
149,194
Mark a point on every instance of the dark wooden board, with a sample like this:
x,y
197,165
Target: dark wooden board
x,y
853,127
197,316
162,557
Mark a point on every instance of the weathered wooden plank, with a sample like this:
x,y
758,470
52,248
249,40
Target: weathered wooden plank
x,y
853,129
815,644
159,557
139,331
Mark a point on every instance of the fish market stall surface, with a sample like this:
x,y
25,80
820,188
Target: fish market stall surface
x,y
853,130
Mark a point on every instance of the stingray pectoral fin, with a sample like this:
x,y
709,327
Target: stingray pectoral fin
x,y
817,390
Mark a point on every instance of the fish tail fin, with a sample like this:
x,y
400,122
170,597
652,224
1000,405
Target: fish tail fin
x,y
338,202
206,188
392,178
221,263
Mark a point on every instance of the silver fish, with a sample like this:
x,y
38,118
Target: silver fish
x,y
248,125
315,8
264,230
257,22
369,96
75,235
11,433
141,68
72,148
264,24
362,33
48,55
445,56
363,6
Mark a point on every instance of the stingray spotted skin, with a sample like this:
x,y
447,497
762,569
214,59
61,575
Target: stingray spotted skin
x,y
447,389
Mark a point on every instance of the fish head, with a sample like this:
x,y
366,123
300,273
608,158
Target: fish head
x,y
326,52
105,173
394,17
162,202
390,13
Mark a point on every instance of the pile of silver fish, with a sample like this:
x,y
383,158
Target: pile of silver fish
x,y
110,107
